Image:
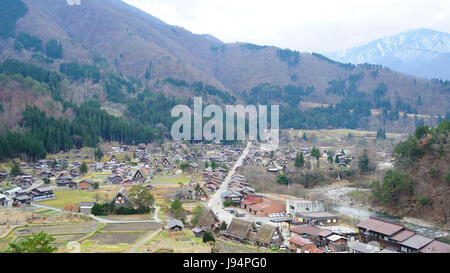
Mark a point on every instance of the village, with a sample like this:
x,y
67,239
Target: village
x,y
199,190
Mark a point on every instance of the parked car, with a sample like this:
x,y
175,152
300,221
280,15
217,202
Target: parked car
x,y
258,224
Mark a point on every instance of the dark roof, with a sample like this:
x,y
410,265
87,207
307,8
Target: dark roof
x,y
416,241
403,235
197,230
436,247
230,192
86,204
361,247
239,228
208,217
22,197
320,215
325,233
174,223
380,226
42,189
297,240
264,234
305,229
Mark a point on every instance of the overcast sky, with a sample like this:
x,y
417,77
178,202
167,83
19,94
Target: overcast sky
x,y
312,25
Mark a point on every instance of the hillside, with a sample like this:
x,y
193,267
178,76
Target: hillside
x,y
420,52
420,184
111,37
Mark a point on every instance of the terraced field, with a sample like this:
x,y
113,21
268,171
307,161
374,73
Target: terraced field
x,y
133,227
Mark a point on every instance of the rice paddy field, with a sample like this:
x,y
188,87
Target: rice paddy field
x,y
91,237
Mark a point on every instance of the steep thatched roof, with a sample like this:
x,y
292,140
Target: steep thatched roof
x,y
208,218
239,228
264,234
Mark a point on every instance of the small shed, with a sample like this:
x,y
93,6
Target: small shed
x,y
86,207
175,225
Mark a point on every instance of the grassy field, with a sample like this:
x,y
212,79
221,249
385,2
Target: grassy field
x,y
97,176
185,243
64,197
171,179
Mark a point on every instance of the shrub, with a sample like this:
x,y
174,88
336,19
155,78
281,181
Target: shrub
x,y
423,200
228,203
208,237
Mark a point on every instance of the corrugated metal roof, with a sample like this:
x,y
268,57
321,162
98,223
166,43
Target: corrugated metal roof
x,y
380,226
417,241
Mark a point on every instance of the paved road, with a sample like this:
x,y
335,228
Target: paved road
x,y
215,201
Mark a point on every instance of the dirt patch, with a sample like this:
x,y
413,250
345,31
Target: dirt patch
x,y
58,229
117,238
68,238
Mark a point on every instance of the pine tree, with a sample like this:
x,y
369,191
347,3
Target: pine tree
x,y
299,160
363,162
84,168
15,170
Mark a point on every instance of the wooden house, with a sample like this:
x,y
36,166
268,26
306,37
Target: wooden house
x,y
21,200
85,185
185,193
201,194
113,160
121,198
41,193
175,225
138,177
114,179
299,244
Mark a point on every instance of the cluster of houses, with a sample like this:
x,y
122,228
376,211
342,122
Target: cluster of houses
x,y
381,236
238,190
18,197
279,161
306,227
298,225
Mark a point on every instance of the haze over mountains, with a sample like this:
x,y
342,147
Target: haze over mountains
x,y
420,52
115,36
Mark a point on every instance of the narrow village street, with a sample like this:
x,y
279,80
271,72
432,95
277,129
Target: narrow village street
x,y
215,202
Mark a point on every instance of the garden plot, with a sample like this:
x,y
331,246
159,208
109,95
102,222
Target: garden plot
x,y
68,238
133,227
116,238
59,229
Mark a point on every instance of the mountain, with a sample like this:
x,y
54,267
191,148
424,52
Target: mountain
x,y
419,185
113,52
420,52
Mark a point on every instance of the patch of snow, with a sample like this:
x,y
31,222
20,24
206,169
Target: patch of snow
x,y
381,49
73,2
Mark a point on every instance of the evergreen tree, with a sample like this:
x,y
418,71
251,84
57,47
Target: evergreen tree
x,y
315,152
15,170
304,137
83,168
282,179
363,162
208,237
299,160
54,49
98,154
